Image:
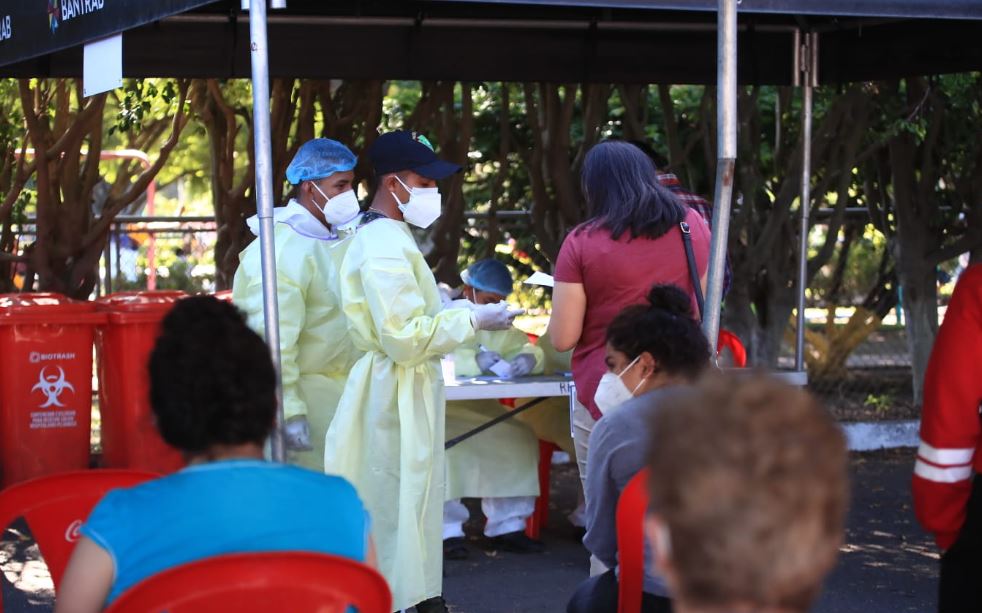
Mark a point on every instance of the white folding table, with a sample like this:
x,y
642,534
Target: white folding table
x,y
482,388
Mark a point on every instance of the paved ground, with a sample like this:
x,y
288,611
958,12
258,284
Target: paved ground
x,y
887,564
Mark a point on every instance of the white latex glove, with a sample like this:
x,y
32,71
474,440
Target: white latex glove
x,y
296,434
446,294
522,365
485,359
493,316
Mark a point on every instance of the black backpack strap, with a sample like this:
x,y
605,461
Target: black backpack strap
x,y
690,257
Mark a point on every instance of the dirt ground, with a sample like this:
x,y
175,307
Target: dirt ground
x,y
869,395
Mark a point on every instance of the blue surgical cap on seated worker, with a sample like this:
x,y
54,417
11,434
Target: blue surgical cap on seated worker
x,y
319,158
488,276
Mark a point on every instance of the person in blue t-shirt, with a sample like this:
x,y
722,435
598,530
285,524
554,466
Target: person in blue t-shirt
x,y
212,391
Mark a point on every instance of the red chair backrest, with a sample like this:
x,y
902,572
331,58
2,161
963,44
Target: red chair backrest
x,y
728,340
631,508
55,506
254,582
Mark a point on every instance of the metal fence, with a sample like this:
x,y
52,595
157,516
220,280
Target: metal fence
x,y
876,383
159,253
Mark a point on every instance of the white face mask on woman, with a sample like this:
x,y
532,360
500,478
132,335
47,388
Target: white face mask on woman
x,y
612,393
340,209
423,207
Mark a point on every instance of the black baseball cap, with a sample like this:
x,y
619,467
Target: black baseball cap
x,y
403,150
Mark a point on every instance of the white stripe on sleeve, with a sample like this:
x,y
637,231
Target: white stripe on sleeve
x,y
953,474
945,456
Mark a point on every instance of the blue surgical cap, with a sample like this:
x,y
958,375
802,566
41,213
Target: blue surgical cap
x,y
488,276
319,158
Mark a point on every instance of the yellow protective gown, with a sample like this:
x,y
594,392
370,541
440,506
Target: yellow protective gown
x,y
550,418
387,435
316,352
503,460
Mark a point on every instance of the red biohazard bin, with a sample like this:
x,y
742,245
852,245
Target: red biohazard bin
x,y
129,437
45,384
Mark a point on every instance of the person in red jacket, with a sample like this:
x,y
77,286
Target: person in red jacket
x,y
947,495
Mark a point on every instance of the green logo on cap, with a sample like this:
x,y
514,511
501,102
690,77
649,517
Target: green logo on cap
x,y
419,138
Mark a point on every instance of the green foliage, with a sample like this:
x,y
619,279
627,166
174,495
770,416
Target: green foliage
x,y
493,184
140,100
399,103
881,403
862,268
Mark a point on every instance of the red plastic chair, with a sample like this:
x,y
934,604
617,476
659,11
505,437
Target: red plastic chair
x,y
55,506
631,508
260,582
728,340
540,516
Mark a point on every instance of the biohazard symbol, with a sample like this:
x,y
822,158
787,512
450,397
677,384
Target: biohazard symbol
x,y
52,387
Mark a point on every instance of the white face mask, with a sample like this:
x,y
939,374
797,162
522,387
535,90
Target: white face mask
x,y
340,209
612,393
298,217
423,207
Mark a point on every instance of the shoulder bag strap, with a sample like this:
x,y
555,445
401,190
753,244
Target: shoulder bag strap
x,y
690,257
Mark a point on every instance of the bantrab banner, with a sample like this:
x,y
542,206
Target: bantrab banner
x,y
30,28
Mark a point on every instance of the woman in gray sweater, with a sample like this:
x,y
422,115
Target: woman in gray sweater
x,y
653,351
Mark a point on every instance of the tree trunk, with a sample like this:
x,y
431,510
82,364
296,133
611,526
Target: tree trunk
x,y
70,239
916,273
233,197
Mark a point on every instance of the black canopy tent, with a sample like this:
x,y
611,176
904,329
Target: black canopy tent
x,y
799,42
578,40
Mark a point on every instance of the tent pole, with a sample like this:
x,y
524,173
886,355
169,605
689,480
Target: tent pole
x,y
809,62
726,134
264,203
109,261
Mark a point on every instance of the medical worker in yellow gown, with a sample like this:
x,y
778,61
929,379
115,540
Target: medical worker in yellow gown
x,y
311,233
550,418
500,464
387,436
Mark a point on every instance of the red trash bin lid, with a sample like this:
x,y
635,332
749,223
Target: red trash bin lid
x,y
140,301
46,308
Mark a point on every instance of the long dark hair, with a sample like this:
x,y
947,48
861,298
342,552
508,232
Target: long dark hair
x,y
666,328
623,193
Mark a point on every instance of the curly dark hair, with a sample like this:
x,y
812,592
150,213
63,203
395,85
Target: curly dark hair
x,y
211,378
666,328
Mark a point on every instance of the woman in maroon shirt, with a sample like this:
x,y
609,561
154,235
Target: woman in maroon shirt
x,y
631,242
